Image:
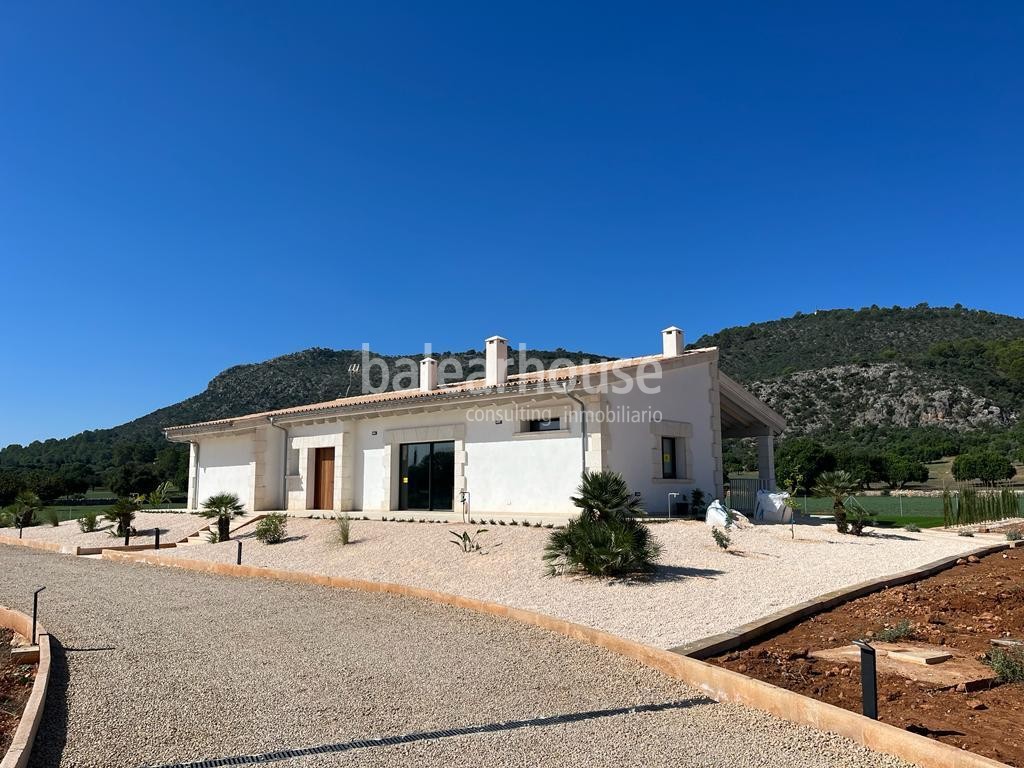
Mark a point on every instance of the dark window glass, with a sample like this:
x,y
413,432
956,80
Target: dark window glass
x,y
545,425
668,458
426,475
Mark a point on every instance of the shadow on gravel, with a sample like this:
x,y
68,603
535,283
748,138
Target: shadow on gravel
x,y
466,730
680,572
53,731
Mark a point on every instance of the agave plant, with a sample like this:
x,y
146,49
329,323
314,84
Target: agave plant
x,y
837,485
223,507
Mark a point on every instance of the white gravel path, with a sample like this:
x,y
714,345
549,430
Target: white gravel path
x,y
699,590
157,666
173,527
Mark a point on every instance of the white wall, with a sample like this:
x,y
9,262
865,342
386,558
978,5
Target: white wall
x,y
506,472
227,465
684,399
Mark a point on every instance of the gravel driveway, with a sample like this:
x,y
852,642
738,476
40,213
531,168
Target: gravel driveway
x,y
699,590
174,526
157,666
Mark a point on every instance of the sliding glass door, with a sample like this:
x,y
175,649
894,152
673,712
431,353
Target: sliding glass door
x,y
426,476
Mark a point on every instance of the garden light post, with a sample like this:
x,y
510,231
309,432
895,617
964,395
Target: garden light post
x,y
868,679
156,545
238,561
35,612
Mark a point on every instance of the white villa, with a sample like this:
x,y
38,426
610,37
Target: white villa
x,y
501,446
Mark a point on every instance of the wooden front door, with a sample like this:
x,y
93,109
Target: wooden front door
x,y
323,479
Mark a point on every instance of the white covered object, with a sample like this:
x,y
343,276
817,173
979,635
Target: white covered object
x,y
718,515
772,508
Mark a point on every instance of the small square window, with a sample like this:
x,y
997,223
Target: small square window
x,y
668,458
545,425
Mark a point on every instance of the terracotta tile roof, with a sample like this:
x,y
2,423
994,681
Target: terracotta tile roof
x,y
468,388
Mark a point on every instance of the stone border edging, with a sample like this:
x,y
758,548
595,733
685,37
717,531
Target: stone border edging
x,y
49,546
21,745
754,630
717,682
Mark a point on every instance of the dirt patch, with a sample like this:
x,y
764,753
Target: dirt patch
x,y
962,609
15,686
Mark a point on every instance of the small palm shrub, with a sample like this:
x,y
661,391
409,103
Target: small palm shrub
x,y
912,528
606,539
87,522
24,509
272,529
603,495
966,533
468,542
222,507
1014,535
122,514
837,485
344,524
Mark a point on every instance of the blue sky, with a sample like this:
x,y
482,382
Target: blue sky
x,y
187,186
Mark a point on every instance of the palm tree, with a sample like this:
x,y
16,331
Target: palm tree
x,y
605,496
24,508
837,485
222,506
123,513
607,539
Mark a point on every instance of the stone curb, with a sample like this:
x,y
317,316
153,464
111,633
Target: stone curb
x,y
21,746
717,682
49,546
754,630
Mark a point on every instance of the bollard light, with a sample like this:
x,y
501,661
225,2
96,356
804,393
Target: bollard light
x,y
238,561
35,611
157,544
868,679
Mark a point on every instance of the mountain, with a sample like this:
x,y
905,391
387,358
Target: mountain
x,y
827,372
311,376
912,367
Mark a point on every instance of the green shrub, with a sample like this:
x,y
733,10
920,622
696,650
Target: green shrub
x,y
87,522
1014,535
344,524
222,507
52,515
1008,664
272,529
606,539
122,514
966,533
901,631
912,528
612,547
721,538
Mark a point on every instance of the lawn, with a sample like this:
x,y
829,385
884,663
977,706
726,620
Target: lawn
x,y
891,511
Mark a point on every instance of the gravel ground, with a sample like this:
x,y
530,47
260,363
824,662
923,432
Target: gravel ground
x,y
158,666
699,591
174,526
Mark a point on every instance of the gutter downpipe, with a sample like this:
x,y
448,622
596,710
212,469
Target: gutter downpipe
x,y
583,420
284,464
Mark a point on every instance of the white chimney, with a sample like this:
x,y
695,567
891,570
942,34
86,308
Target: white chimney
x,y
672,342
496,361
428,374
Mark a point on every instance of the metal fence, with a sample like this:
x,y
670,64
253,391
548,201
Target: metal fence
x,y
743,493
